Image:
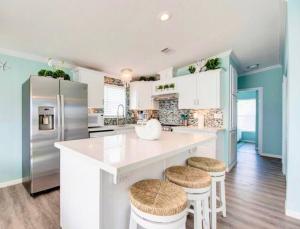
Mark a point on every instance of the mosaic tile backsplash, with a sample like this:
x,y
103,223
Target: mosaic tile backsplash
x,y
170,114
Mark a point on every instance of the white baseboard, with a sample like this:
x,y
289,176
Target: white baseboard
x,y
292,213
270,155
11,182
229,168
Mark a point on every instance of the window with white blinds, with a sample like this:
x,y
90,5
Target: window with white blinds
x,y
247,115
113,96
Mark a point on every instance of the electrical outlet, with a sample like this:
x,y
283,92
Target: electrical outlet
x,y
218,116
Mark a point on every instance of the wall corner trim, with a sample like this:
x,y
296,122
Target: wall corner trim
x,y
292,213
11,183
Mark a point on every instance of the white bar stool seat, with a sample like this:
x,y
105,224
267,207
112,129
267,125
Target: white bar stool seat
x,y
216,170
157,204
197,185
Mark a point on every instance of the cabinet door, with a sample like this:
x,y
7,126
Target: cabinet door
x,y
232,154
133,97
208,90
187,89
95,82
141,96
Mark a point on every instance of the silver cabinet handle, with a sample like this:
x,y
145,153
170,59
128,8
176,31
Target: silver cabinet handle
x,y
58,117
62,99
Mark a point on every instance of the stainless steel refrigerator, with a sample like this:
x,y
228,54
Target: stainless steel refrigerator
x,y
52,110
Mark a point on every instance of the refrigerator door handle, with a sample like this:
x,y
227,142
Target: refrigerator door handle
x,y
58,117
62,100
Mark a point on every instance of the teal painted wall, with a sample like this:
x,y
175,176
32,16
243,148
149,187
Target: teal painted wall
x,y
271,81
293,155
11,114
248,136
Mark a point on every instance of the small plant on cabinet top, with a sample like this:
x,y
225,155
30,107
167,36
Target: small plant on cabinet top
x,y
166,86
160,87
192,69
212,64
172,85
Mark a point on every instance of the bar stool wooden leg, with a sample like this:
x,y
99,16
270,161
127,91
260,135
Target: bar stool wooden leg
x,y
223,199
213,205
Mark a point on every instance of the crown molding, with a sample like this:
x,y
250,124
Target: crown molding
x,y
28,56
261,70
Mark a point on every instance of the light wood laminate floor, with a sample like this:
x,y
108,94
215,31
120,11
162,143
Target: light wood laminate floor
x,y
255,192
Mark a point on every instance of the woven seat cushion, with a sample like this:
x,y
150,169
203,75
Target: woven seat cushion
x,y
158,197
188,177
207,164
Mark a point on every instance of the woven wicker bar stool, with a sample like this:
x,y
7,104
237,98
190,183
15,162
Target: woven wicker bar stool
x,y
197,185
157,204
216,170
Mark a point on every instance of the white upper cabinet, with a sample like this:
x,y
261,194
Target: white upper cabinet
x,y
141,96
209,89
200,90
187,91
95,82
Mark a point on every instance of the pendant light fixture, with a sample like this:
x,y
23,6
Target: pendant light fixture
x,y
126,76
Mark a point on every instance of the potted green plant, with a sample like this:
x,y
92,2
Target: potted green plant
x,y
160,87
172,86
67,77
192,69
184,119
59,74
48,73
151,78
166,87
212,64
143,78
42,72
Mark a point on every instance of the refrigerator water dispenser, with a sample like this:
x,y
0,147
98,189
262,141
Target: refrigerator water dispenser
x,y
46,118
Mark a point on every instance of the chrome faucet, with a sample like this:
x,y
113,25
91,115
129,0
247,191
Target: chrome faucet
x,y
123,115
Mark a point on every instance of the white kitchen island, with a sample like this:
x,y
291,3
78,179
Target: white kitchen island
x,y
96,173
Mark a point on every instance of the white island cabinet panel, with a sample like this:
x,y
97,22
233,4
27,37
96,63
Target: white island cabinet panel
x,y
97,173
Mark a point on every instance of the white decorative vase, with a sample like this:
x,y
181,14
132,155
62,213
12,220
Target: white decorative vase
x,y
150,131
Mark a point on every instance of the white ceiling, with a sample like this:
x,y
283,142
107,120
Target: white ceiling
x,y
114,34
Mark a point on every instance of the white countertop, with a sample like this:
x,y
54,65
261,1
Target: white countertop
x,y
196,128
125,152
111,127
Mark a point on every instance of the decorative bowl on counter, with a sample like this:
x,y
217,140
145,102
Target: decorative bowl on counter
x,y
150,131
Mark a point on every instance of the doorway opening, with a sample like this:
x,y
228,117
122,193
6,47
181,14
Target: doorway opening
x,y
249,118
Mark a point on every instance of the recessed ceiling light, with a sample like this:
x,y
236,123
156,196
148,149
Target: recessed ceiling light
x,y
252,67
164,16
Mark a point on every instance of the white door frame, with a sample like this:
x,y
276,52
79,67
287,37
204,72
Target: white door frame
x,y
260,101
284,123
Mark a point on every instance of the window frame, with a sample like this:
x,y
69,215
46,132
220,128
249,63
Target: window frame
x,y
125,100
